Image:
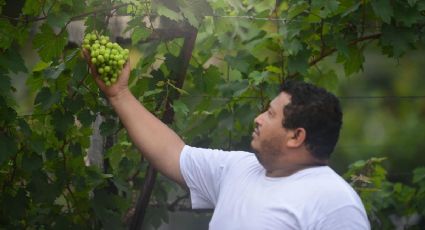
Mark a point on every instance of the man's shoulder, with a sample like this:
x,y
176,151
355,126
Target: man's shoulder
x,y
217,152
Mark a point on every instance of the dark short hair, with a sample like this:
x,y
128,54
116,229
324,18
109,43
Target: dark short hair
x,y
317,111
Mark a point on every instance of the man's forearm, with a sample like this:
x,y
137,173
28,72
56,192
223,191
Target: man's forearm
x,y
158,143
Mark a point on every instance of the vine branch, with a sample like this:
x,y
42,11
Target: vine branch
x,y
331,51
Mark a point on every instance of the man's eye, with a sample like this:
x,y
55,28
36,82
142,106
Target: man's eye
x,y
269,112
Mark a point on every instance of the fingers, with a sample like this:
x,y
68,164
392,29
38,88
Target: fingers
x,y
126,68
92,68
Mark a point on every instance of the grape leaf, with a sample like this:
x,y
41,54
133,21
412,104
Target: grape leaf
x,y
191,18
53,72
86,117
5,83
180,107
41,65
75,149
108,127
7,31
62,121
35,81
7,114
383,9
8,147
58,19
408,15
353,62
32,7
139,33
41,190
299,63
326,7
164,11
397,40
13,61
48,43
419,174
24,127
46,99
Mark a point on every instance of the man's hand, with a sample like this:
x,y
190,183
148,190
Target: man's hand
x,y
119,87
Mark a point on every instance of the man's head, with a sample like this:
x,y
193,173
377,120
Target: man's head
x,y
302,115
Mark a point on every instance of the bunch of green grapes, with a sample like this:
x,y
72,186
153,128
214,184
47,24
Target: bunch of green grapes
x,y
108,57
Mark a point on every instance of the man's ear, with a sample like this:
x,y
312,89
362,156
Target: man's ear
x,y
297,137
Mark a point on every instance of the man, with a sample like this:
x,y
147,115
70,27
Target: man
x,y
286,184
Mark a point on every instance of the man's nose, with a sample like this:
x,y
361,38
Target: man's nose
x,y
257,119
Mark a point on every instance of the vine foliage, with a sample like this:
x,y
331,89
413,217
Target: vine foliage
x,y
205,67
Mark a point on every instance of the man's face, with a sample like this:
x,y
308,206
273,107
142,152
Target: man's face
x,y
268,137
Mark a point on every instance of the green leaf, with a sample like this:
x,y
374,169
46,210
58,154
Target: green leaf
x,y
383,9
79,70
37,144
256,77
412,2
53,72
326,79
16,205
139,33
397,40
62,121
166,12
107,208
208,80
418,174
12,61
35,82
41,190
342,46
58,19
74,104
191,18
293,46
326,7
41,65
7,114
24,127
8,147
5,84
353,62
408,15
108,127
86,117
299,63
180,107
46,99
32,7
297,9
7,32
32,162
198,8
49,44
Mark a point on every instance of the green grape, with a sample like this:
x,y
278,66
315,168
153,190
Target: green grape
x,y
107,57
100,58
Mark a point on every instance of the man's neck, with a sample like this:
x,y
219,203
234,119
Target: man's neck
x,y
287,170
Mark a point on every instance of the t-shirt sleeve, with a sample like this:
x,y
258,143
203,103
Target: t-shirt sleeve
x,y
344,218
203,171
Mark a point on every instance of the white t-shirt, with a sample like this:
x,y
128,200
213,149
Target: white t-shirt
x,y
234,184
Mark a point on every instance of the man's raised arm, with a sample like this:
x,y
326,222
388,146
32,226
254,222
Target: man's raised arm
x,y
160,145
